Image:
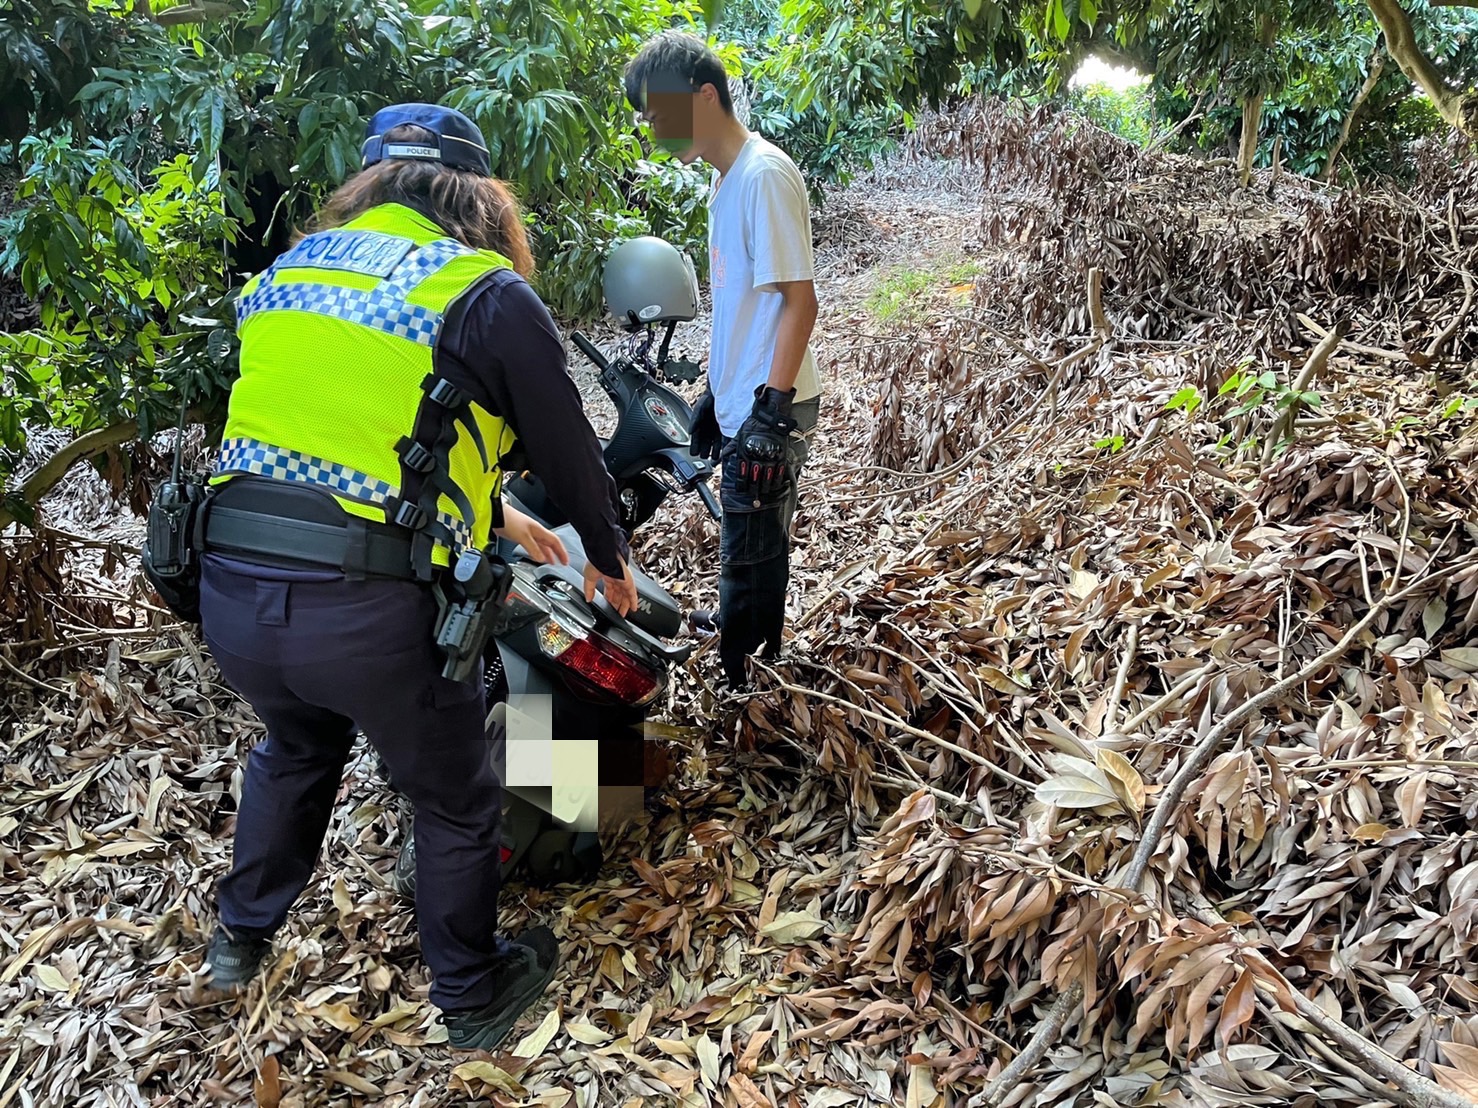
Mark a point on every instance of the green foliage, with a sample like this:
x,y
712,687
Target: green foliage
x,y
169,158
1187,400
899,294
1123,112
1321,55
1250,391
129,276
1459,404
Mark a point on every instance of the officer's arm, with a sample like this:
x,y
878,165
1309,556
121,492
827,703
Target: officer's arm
x,y
511,344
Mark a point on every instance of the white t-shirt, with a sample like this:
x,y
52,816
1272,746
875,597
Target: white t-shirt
x,y
759,232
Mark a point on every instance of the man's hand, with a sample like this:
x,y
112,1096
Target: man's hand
x,y
620,591
538,541
762,443
707,439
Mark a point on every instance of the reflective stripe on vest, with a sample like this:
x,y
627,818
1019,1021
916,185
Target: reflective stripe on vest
x,y
265,460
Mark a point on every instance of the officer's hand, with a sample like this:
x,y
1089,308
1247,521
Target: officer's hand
x,y
620,591
538,541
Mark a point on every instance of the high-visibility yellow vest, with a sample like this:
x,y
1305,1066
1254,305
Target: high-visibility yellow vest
x,y
338,358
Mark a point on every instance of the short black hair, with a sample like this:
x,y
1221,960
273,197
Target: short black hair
x,y
674,61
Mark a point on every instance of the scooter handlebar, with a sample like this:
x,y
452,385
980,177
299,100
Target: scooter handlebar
x,y
590,350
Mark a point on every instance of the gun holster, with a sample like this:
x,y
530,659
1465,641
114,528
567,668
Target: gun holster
x,y
171,551
469,597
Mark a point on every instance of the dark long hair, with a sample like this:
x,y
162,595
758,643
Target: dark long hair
x,y
477,211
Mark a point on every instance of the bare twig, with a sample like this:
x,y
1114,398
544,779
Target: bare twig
x,y
894,722
1101,326
1122,680
28,679
1434,348
1377,67
1176,692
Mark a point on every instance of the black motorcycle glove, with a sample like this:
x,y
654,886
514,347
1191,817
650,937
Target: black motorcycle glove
x,y
706,439
761,443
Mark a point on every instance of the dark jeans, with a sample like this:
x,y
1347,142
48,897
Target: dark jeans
x,y
315,659
754,556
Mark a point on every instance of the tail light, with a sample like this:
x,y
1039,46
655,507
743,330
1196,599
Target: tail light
x,y
596,661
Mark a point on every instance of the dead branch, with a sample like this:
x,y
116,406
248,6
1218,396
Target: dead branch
x,y
1379,1069
1036,1048
1377,67
1434,348
1169,802
1101,326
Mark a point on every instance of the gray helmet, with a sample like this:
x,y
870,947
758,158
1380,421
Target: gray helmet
x,y
648,280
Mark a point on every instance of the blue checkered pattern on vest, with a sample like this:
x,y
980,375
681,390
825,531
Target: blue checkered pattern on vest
x,y
265,460
383,307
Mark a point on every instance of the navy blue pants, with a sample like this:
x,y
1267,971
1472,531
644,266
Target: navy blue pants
x,y
318,659
754,556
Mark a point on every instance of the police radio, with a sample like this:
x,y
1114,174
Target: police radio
x,y
170,515
480,583
169,557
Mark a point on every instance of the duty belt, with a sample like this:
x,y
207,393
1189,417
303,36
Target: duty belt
x,y
356,548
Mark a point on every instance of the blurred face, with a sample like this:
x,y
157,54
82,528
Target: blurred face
x,y
669,116
682,122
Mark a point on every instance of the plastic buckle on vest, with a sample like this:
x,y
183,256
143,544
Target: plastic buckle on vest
x,y
446,394
416,457
410,515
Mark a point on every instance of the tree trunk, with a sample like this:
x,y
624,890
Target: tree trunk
x,y
1458,108
1251,122
1377,67
1252,111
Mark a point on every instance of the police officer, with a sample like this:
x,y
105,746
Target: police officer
x,y
388,361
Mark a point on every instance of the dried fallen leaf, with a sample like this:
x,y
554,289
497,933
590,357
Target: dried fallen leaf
x,y
1127,784
1071,791
267,1086
707,1051
535,1042
51,978
353,1081
342,900
475,1075
748,1092
1456,1080
335,1015
793,927
586,1033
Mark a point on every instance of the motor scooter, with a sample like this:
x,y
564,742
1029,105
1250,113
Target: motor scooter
x,y
573,669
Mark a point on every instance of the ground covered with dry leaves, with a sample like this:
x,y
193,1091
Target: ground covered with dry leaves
x,y
1122,754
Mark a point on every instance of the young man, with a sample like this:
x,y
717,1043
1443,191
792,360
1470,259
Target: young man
x,y
763,388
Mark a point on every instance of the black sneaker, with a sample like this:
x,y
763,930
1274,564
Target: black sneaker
x,y
518,984
703,621
231,962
